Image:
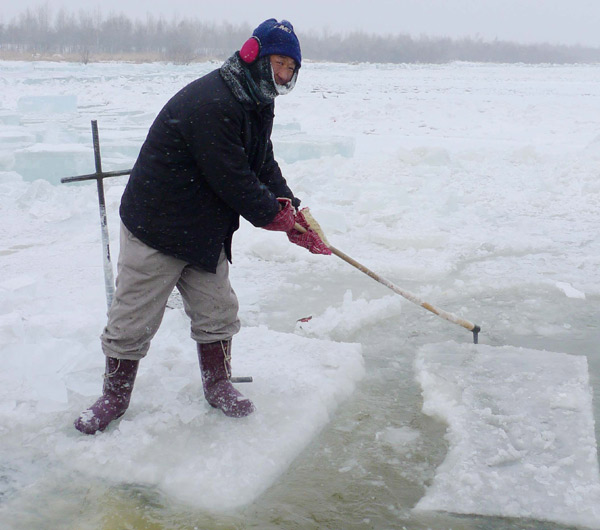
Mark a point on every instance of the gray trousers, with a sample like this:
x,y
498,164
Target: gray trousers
x,y
145,279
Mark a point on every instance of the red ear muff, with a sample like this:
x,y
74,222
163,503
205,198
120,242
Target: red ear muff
x,y
250,50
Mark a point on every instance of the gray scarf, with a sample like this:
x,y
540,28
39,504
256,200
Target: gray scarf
x,y
252,83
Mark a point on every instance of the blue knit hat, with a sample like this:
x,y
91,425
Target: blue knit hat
x,y
278,38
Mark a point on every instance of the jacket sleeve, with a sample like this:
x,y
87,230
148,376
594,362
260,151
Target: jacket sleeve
x,y
212,134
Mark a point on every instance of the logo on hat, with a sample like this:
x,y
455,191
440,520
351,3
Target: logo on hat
x,y
283,27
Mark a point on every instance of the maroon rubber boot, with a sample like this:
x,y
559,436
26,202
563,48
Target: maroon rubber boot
x,y
119,377
215,367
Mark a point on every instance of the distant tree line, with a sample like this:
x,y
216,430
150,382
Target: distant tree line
x,y
361,47
90,35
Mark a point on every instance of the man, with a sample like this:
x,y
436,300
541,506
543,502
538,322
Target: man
x,y
207,159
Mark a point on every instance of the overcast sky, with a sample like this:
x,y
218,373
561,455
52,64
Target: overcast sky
x,y
552,21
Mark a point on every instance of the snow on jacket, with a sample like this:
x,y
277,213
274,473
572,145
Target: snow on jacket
x,y
207,159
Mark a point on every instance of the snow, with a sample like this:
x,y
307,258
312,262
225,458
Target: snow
x,y
474,186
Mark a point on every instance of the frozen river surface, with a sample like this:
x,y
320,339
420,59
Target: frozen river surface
x,y
476,187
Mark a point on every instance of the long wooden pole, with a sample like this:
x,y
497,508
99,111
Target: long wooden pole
x,y
406,294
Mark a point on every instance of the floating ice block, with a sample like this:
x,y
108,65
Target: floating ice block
x,y
520,433
53,162
171,439
9,118
294,148
47,104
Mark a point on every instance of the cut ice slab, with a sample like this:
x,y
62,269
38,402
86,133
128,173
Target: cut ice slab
x,y
48,104
520,433
53,161
172,440
294,148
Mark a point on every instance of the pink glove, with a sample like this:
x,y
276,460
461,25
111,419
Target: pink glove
x,y
285,220
309,239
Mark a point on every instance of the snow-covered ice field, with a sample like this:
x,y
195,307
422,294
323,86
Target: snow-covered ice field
x,y
476,187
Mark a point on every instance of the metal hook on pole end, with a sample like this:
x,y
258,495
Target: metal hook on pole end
x,y
476,331
241,379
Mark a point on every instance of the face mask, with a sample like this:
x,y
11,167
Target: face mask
x,y
282,90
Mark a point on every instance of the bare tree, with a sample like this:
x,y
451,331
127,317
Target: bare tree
x,y
184,40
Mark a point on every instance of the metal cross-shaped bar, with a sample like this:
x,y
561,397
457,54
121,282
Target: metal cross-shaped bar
x,y
99,176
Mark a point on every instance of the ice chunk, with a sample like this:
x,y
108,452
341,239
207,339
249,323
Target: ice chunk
x,y
292,145
53,161
12,138
424,155
294,148
47,104
401,439
338,323
9,118
15,136
570,291
520,430
291,126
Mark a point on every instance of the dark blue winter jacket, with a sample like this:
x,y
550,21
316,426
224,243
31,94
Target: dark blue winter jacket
x,y
207,159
